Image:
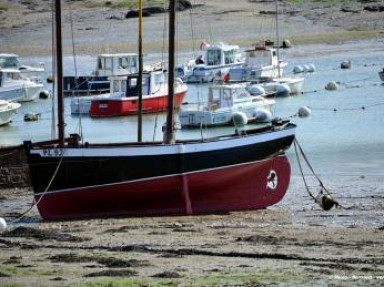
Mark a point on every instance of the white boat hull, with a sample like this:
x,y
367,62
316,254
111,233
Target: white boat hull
x,y
6,111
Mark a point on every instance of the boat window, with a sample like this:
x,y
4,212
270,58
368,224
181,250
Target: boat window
x,y
132,82
9,62
107,64
123,85
213,57
14,76
229,56
116,86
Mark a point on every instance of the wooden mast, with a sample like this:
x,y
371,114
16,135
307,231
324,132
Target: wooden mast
x,y
169,136
59,70
140,77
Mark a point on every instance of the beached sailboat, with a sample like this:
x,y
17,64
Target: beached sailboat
x,y
241,171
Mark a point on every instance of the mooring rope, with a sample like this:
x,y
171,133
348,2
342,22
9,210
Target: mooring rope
x,y
326,202
35,203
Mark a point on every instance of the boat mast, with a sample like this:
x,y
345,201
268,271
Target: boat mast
x,y
277,38
140,77
59,70
169,136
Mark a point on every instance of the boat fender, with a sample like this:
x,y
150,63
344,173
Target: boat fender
x,y
331,86
304,112
283,90
256,90
239,119
262,116
3,224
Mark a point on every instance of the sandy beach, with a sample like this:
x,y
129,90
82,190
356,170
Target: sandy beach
x,y
284,245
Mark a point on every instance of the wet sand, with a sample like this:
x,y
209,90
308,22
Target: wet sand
x,y
283,245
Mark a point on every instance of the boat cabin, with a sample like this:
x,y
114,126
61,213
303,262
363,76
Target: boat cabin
x,y
222,54
117,64
7,75
262,56
226,96
9,61
152,82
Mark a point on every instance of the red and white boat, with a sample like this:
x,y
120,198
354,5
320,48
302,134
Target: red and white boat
x,y
124,99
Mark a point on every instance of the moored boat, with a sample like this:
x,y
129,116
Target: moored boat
x,y
17,89
260,62
7,109
219,58
124,99
227,105
108,65
11,61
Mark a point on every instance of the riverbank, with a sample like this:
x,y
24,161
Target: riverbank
x,y
98,26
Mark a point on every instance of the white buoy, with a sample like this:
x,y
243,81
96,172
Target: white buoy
x,y
3,224
304,112
31,117
256,90
312,68
306,68
239,119
298,69
331,86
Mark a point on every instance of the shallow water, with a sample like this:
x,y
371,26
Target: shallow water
x,y
343,138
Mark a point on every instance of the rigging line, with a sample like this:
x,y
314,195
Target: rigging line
x,y
53,119
42,195
192,35
75,65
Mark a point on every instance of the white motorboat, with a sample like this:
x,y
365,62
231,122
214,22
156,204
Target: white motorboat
x,y
7,109
11,61
13,87
219,58
228,104
260,62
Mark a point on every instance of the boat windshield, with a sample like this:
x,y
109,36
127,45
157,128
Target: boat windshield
x,y
213,57
9,62
229,56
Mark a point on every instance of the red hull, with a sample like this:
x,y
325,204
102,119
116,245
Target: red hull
x,y
242,187
130,106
